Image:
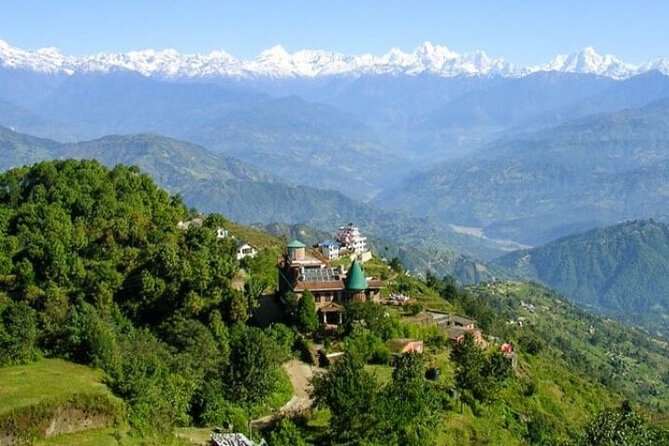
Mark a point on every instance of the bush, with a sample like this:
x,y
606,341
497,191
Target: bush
x,y
222,413
531,344
90,340
415,308
286,433
381,356
540,432
18,334
367,346
303,345
530,389
284,338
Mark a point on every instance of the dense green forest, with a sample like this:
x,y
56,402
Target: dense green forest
x,y
94,270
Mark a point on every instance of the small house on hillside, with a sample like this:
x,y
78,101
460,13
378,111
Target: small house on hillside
x,y
457,326
329,249
245,250
457,334
455,320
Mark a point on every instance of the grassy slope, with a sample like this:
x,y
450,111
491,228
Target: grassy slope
x,y
622,358
29,384
573,376
255,237
32,392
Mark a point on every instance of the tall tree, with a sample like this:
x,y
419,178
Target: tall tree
x,y
408,407
469,377
350,392
307,319
249,376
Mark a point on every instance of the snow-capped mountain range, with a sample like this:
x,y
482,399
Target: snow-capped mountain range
x,y
278,63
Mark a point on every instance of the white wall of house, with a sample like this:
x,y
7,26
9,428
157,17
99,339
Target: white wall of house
x,y
246,250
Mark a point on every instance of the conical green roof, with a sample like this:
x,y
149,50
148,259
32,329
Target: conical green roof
x,y
355,279
296,244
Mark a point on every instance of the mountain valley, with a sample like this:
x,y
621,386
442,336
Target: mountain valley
x,y
314,247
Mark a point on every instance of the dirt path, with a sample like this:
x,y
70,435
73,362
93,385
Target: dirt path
x,y
299,373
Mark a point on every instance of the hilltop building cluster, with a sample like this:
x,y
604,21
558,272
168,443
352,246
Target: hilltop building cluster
x,y
348,241
332,287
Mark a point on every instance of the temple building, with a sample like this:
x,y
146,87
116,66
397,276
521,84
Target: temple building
x,y
332,287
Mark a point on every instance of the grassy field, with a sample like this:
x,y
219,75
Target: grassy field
x,y
195,435
112,436
32,394
29,384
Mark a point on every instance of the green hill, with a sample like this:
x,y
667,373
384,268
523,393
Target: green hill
x,y
621,358
571,364
621,269
94,269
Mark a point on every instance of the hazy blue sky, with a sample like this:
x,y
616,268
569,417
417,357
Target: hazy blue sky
x,y
523,32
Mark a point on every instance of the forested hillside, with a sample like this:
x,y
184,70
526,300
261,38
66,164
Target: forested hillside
x,y
621,269
94,269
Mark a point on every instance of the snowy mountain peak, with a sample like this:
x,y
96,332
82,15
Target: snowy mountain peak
x,y
591,62
276,52
277,62
660,64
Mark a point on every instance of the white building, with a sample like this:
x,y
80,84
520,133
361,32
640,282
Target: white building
x,y
349,237
245,250
329,249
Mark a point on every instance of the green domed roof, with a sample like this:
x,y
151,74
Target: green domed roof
x,y
296,244
355,279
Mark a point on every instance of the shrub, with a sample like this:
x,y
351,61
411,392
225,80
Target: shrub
x,y
286,433
415,308
18,334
